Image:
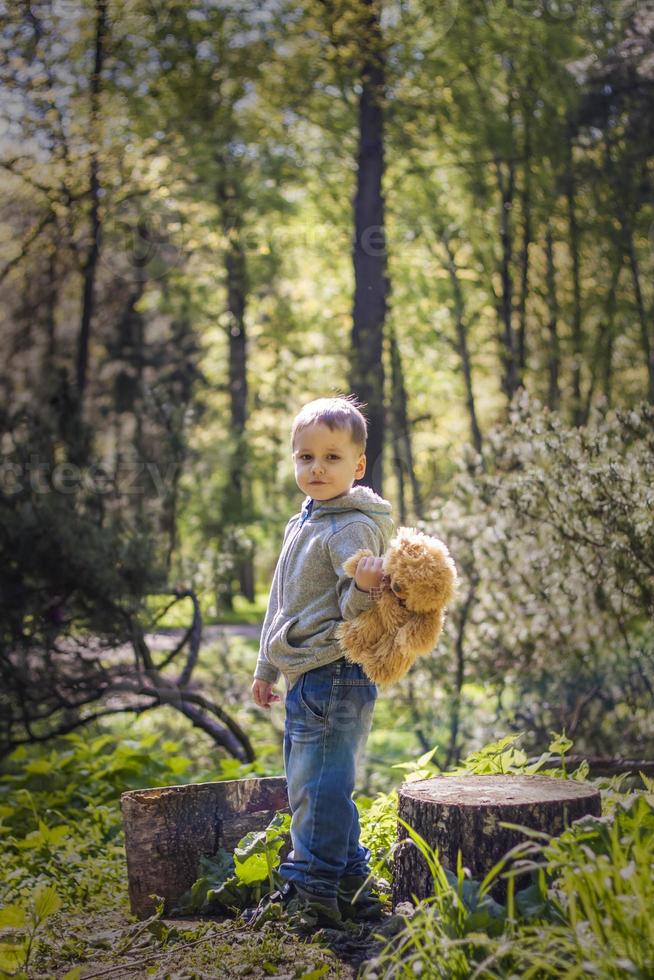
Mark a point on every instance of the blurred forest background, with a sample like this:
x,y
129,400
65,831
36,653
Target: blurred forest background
x,y
212,212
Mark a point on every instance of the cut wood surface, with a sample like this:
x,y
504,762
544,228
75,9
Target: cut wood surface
x,y
168,829
465,812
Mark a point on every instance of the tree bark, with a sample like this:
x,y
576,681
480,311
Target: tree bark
x,y
453,813
506,187
553,357
646,343
90,266
402,446
452,752
602,365
168,829
577,329
600,765
238,491
369,251
462,343
526,198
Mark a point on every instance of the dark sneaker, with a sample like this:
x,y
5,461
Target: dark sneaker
x,y
308,908
309,904
357,899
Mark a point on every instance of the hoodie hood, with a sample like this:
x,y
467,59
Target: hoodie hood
x,y
357,498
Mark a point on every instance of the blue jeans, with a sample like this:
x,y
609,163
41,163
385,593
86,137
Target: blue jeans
x,y
328,718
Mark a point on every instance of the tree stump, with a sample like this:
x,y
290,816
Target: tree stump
x,y
455,813
168,829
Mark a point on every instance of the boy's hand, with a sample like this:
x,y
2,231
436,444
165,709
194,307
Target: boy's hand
x,y
369,573
263,694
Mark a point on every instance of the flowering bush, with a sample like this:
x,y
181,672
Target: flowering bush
x,y
553,535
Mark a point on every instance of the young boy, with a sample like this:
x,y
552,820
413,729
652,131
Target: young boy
x,y
329,702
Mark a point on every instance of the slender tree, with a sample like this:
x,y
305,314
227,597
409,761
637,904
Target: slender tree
x,y
369,245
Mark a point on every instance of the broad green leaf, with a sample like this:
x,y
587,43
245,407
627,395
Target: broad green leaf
x,y
214,871
39,767
12,957
254,868
561,743
530,902
46,901
253,843
426,757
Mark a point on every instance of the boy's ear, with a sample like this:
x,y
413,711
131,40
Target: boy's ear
x,y
362,459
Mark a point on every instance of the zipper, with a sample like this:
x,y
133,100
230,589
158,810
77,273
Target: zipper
x,y
306,514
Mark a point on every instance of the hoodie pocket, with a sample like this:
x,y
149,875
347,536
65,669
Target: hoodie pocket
x,y
278,639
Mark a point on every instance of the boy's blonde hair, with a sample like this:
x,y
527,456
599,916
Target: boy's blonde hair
x,y
339,412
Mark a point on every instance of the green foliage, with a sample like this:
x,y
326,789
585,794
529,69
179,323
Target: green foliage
x,y
59,816
23,921
602,885
61,843
552,532
378,819
231,883
503,756
585,911
421,768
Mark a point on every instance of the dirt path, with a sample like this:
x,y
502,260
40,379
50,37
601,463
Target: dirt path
x,y
166,637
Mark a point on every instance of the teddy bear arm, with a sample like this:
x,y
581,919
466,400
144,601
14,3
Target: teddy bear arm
x,y
350,564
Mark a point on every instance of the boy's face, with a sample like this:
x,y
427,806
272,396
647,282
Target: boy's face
x,y
326,462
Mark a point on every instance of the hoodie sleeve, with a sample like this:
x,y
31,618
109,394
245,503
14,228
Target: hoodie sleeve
x,y
264,670
342,545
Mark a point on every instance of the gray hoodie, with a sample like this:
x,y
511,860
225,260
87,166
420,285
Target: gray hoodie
x,y
310,593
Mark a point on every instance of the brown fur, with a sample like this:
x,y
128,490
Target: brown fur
x,y
406,621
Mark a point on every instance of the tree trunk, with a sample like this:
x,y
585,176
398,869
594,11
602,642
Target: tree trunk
x,y
524,253
452,753
463,813
601,765
369,252
402,447
553,356
462,344
602,364
238,491
168,829
90,266
506,186
577,334
648,352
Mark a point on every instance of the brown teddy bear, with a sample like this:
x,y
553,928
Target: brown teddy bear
x,y
406,619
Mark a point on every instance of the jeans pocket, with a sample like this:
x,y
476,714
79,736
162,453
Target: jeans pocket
x,y
314,694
